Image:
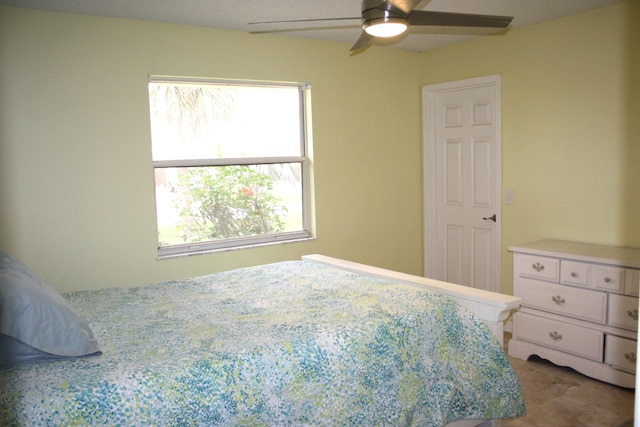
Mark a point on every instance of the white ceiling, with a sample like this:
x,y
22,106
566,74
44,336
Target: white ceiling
x,y
237,14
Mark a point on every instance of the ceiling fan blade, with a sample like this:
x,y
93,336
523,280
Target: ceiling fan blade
x,y
405,6
447,19
306,20
362,41
305,29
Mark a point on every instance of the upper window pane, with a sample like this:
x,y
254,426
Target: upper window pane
x,y
195,121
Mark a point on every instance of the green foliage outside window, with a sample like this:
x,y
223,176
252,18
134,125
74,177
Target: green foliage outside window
x,y
227,202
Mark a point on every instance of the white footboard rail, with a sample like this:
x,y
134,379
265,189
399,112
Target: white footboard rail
x,y
493,308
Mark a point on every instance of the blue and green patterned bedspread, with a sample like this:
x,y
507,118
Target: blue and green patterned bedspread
x,y
286,344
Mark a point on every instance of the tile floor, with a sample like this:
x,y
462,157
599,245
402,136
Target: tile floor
x,y
559,397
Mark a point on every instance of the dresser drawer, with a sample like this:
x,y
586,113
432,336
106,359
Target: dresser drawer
x,y
621,353
623,312
607,277
574,273
565,300
583,342
632,281
538,267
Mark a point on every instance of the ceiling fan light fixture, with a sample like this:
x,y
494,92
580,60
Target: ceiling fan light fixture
x,y
385,27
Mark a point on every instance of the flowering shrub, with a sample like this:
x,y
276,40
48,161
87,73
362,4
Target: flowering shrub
x,y
226,202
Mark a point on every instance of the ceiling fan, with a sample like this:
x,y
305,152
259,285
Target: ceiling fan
x,y
389,18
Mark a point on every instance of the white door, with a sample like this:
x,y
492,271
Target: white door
x,y
462,182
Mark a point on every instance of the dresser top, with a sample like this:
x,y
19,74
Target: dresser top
x,y
627,257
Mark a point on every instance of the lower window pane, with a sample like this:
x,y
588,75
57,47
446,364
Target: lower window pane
x,y
202,204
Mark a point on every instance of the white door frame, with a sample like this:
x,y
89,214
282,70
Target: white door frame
x,y
429,164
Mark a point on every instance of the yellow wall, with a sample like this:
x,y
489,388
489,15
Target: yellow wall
x,y
76,187
570,123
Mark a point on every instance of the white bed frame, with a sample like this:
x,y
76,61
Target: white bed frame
x,y
491,307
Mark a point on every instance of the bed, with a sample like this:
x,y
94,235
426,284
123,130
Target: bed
x,y
316,341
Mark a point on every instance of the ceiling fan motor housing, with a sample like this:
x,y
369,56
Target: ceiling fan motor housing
x,y
376,12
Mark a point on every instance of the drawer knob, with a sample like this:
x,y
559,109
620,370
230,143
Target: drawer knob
x,y
631,357
607,280
558,299
555,336
633,313
537,266
574,274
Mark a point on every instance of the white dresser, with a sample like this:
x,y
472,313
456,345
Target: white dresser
x,y
579,307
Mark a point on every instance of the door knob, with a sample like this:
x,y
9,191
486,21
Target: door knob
x,y
492,218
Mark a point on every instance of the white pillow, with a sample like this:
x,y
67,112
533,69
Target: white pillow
x,y
36,315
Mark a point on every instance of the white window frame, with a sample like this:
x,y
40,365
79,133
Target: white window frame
x,y
307,231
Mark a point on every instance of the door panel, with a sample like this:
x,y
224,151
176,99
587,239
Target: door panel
x,y
482,242
454,242
482,191
453,172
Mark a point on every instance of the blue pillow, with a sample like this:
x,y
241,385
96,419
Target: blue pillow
x,y
36,322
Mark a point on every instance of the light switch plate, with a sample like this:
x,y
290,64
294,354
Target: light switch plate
x,y
509,196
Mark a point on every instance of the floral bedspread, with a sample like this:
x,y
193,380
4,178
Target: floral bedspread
x,y
286,344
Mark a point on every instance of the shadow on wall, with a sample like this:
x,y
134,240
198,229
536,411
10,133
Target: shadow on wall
x,y
5,202
630,234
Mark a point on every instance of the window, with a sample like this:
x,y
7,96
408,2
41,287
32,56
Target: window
x,y
230,163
